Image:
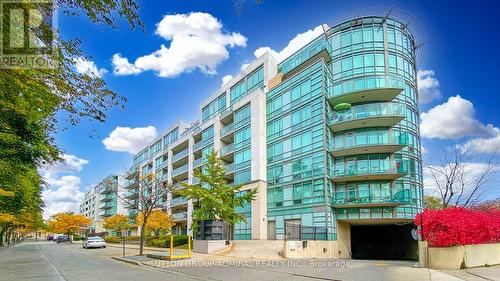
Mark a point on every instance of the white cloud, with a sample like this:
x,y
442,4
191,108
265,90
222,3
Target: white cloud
x,y
69,163
472,175
121,66
197,41
85,66
128,139
243,66
484,145
63,193
453,119
428,86
226,79
299,41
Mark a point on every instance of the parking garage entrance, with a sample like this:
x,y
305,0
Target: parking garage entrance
x,y
385,241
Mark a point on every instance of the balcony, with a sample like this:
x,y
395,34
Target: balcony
x,y
179,216
180,155
229,168
399,198
197,162
130,195
366,89
310,53
107,190
227,150
178,201
195,181
179,185
107,199
226,132
227,114
132,173
179,171
370,170
384,114
106,206
355,144
130,184
197,146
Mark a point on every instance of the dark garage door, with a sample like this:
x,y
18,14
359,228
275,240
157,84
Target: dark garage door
x,y
390,242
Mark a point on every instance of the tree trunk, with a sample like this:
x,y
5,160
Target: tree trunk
x,y
1,237
141,246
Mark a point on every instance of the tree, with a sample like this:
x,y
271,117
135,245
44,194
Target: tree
x,y
150,195
158,221
461,176
432,203
68,223
33,102
117,223
215,198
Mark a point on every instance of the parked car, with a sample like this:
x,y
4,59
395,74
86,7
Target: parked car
x,y
94,242
50,237
62,238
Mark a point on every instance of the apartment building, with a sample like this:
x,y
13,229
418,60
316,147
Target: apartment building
x,y
329,137
102,201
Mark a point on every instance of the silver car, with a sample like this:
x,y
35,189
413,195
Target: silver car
x,y
94,242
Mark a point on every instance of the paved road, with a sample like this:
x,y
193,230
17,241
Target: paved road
x,y
51,261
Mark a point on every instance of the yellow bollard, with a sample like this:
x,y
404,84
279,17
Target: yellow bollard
x,y
171,246
189,246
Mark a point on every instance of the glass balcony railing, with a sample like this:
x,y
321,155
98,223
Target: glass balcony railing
x,y
179,216
178,201
367,139
228,149
229,168
180,170
196,181
131,183
370,167
197,146
344,200
367,83
130,194
179,185
197,162
304,54
364,111
226,130
180,155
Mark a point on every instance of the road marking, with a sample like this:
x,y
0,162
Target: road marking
x,y
380,264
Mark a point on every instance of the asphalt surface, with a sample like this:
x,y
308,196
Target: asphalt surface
x,y
52,261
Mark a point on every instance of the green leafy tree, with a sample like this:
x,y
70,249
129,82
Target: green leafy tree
x,y
216,200
36,103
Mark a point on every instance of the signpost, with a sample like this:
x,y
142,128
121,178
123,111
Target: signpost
x,y
124,232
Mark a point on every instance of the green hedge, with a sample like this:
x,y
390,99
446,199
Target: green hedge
x,y
164,241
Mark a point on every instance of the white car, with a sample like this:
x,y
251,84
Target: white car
x,y
94,242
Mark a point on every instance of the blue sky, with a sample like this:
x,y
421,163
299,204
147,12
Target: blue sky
x,y
459,54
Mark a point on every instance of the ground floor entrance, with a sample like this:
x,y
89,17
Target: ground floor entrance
x,y
385,241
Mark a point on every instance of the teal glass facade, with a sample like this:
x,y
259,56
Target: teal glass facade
x,y
358,163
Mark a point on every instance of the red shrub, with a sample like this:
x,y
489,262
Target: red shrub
x,y
459,226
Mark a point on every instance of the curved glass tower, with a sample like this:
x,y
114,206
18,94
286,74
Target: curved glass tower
x,y
343,137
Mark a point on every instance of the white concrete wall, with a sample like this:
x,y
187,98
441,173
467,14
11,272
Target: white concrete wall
x,y
458,257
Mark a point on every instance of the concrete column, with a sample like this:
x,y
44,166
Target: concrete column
x,y
258,137
259,211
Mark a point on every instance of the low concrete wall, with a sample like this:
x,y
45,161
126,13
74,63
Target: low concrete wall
x,y
209,246
458,257
310,249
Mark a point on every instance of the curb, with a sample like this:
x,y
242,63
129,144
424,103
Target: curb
x,y
137,263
